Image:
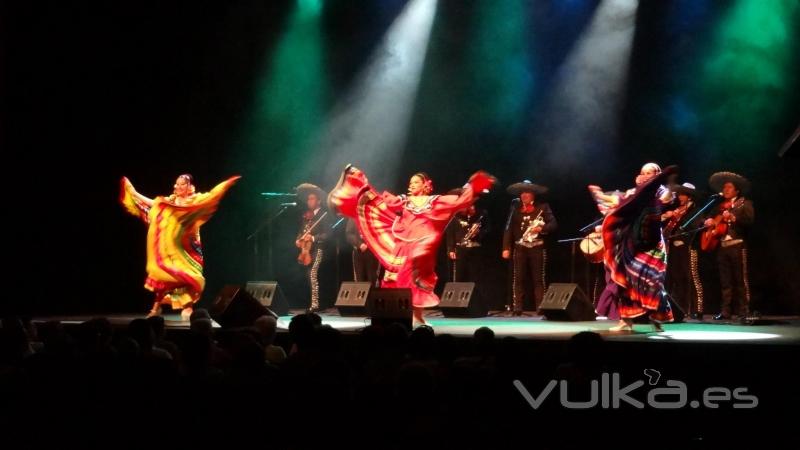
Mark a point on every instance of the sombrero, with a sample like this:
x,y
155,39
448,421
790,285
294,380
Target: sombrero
x,y
306,189
685,189
526,186
718,180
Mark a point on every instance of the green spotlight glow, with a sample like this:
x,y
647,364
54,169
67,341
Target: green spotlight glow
x,y
289,100
750,72
498,64
309,8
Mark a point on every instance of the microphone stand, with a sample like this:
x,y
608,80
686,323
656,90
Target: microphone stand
x,y
338,261
697,214
684,233
509,285
591,225
268,225
573,243
509,304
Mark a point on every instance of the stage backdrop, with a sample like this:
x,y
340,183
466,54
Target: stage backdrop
x,y
565,94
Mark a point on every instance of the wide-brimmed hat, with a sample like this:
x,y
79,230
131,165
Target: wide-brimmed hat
x,y
526,186
306,189
718,180
685,189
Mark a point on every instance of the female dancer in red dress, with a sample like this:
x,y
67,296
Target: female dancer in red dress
x,y
404,232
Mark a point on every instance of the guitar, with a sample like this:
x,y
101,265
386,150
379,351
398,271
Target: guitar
x,y
593,247
711,236
304,257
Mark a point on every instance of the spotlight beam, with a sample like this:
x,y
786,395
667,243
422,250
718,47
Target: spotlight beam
x,y
369,126
581,116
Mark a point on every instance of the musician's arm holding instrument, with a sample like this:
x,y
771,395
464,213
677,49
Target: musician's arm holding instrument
x,y
550,223
476,230
319,234
744,215
322,232
544,215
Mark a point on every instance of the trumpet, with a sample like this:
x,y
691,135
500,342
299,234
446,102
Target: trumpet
x,y
471,233
529,235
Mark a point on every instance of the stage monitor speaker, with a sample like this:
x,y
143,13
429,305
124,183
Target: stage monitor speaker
x,y
235,307
388,305
269,294
352,298
566,302
458,299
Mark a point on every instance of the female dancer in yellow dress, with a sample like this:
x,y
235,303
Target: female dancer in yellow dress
x,y
174,252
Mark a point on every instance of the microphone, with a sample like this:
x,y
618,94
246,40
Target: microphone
x,y
286,205
516,200
717,195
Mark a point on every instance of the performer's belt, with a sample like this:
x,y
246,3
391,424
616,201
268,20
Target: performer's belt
x,y
534,243
469,244
730,242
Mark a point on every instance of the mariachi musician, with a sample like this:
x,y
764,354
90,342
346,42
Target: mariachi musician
x,y
311,239
464,236
528,225
683,277
726,232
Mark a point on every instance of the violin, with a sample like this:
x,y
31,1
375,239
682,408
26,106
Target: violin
x,y
305,244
